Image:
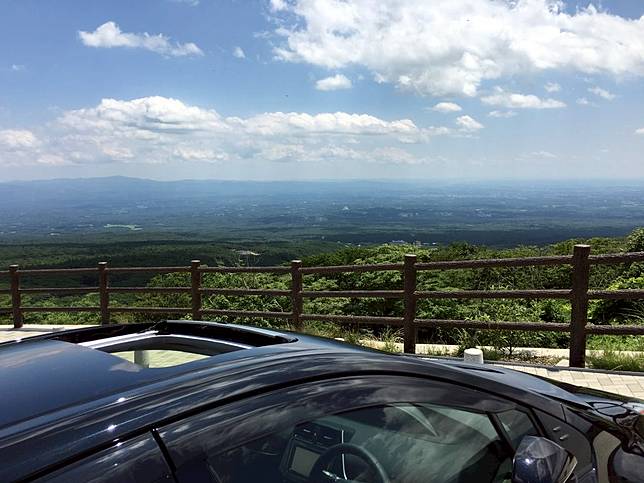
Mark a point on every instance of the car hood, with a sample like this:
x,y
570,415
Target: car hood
x,y
625,412
564,392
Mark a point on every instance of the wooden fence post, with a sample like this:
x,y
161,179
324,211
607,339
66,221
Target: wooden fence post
x,y
296,294
104,293
409,283
196,289
579,302
15,296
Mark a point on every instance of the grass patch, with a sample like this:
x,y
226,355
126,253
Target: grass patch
x,y
615,361
616,343
354,336
391,338
441,352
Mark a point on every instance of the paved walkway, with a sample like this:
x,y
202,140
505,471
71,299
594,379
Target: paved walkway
x,y
7,332
619,383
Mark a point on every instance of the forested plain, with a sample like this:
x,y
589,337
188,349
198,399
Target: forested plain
x,y
126,222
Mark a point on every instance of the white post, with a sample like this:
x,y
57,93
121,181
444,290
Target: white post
x,y
142,358
473,356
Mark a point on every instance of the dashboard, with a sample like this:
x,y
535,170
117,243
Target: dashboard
x,y
307,443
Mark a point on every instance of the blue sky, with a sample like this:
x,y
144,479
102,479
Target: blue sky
x,y
310,89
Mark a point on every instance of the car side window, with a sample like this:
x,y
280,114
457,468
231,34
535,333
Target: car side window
x,y
516,425
388,443
138,460
386,428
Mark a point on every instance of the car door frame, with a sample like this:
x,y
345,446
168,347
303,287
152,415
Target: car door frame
x,y
139,458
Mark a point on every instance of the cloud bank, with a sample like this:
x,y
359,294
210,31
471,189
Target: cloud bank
x,y
450,47
159,130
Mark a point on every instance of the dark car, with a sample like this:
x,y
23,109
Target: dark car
x,y
198,401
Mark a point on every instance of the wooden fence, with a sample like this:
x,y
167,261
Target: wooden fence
x,y
578,294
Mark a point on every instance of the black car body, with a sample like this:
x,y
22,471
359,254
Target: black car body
x,y
259,405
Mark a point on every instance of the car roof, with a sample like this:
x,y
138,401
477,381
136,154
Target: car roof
x,y
68,368
73,367
69,395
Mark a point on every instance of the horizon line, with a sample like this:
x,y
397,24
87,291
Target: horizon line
x,y
339,180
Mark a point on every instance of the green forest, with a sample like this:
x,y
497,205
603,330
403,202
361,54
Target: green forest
x,y
549,277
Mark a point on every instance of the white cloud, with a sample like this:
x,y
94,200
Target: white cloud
x,y
543,154
52,160
21,146
603,93
333,83
328,154
18,139
552,87
278,5
205,155
447,107
160,130
110,35
160,115
17,67
511,100
303,152
436,131
468,124
541,157
640,131
117,153
147,116
239,53
280,123
292,153
452,46
393,155
583,101
502,114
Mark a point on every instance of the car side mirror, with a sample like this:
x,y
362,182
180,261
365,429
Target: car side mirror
x,y
539,460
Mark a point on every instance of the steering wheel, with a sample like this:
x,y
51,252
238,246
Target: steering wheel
x,y
321,474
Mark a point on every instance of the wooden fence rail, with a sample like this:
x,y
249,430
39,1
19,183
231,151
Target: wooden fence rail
x,y
578,295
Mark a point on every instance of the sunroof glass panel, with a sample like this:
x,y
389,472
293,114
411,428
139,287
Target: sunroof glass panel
x,y
156,358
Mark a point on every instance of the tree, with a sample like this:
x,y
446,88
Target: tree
x,y
635,241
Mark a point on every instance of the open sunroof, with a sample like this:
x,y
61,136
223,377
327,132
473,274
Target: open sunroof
x,y
154,349
172,343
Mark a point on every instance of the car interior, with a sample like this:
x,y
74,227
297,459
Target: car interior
x,y
390,443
